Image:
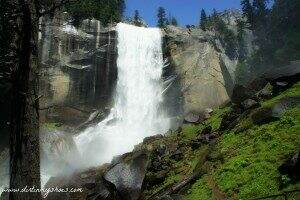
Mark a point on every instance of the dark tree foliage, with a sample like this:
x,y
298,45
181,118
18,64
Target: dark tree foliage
x,y
174,21
226,36
284,31
203,20
136,17
214,14
277,31
241,26
260,8
161,15
107,11
277,35
248,12
137,20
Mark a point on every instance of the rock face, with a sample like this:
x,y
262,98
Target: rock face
x,y
121,180
205,71
78,64
128,176
265,115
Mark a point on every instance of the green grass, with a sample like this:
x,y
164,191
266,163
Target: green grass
x,y
199,190
251,155
244,162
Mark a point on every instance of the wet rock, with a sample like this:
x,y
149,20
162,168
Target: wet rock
x,y
262,116
289,73
265,115
197,118
281,84
284,104
128,175
240,94
266,92
291,167
192,118
257,84
89,181
249,104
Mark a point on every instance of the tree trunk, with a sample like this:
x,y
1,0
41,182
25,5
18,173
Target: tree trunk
x,y
24,137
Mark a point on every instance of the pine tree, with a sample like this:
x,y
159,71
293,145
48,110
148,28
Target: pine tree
x,y
214,13
161,15
260,11
203,20
174,21
136,18
248,11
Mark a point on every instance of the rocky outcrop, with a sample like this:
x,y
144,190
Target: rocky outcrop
x,y
128,176
78,64
265,115
204,68
269,83
122,179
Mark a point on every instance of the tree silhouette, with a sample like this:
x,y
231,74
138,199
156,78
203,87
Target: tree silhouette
x,y
161,15
203,20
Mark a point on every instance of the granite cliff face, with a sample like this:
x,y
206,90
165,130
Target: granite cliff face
x,y
78,66
205,70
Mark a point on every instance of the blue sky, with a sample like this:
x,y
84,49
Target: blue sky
x,y
186,11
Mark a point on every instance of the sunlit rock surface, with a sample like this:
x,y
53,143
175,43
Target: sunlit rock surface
x,y
78,64
205,70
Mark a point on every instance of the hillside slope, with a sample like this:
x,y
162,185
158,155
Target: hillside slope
x,y
233,155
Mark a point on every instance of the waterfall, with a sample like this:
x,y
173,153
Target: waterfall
x,y
137,112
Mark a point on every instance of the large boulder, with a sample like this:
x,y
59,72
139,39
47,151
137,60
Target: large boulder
x,y
89,183
128,175
274,80
249,104
288,73
291,167
240,93
265,115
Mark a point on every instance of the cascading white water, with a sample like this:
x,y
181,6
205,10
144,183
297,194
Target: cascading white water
x,y
137,111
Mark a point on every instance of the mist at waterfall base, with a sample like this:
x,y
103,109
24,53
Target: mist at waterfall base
x,y
138,110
